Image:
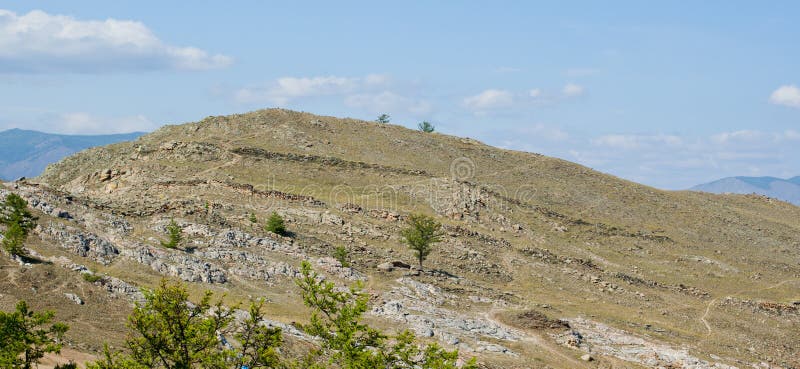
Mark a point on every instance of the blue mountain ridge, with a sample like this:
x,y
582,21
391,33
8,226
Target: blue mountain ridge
x,y
26,153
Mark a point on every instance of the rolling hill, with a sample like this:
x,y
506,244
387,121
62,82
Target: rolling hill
x,y
545,262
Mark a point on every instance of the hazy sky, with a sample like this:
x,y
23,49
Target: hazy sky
x,y
669,94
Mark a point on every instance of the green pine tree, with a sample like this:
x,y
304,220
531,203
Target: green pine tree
x,y
25,337
426,127
14,239
174,234
275,224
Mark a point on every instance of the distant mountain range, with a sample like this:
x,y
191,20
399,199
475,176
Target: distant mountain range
x,y
784,189
26,153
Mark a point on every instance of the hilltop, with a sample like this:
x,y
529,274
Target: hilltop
x,y
26,153
544,260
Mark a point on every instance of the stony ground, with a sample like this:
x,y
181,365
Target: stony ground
x,y
546,264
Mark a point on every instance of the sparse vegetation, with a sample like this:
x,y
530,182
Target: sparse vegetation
x,y
383,118
421,234
170,332
426,126
91,277
341,254
275,224
18,222
253,219
336,319
174,234
25,336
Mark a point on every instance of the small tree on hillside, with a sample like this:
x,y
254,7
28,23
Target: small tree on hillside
x,y
14,239
174,234
18,222
383,118
24,339
14,209
276,225
421,234
426,127
342,256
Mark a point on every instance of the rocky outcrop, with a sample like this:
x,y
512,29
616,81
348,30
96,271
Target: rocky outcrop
x,y
82,243
421,307
185,267
599,338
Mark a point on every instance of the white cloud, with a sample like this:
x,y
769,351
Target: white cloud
x,y
788,95
535,93
388,101
547,132
746,135
42,42
629,142
286,89
791,135
489,99
85,123
572,90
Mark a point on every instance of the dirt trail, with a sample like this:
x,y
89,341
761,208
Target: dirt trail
x,y
536,340
712,302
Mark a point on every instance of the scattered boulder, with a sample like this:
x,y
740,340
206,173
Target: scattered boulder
x,y
74,298
392,265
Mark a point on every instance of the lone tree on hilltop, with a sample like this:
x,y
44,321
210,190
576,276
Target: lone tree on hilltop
x,y
24,339
276,225
18,222
421,234
383,118
426,127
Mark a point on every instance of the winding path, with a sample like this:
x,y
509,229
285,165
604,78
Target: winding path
x,y
711,303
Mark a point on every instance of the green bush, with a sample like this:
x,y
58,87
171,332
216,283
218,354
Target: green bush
x,y
91,277
275,224
383,118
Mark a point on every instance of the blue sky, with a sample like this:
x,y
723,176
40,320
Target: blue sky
x,y
669,94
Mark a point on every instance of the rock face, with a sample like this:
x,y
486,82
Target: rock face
x,y
87,245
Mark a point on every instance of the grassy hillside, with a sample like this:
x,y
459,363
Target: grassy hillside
x,y
711,277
